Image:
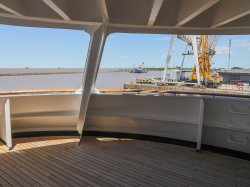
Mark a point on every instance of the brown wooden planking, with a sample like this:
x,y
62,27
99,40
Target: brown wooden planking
x,y
169,166
67,161
3,182
28,170
9,179
72,156
18,176
160,176
139,162
57,168
59,150
93,163
40,156
142,172
60,173
76,172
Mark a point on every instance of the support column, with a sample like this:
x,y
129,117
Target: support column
x,y
200,124
5,122
95,50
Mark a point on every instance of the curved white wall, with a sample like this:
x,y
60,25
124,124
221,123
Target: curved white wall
x,y
44,113
226,121
151,115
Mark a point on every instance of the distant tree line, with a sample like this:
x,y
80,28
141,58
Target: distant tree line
x,y
236,68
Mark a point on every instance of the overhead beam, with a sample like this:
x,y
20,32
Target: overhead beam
x,y
196,12
7,9
238,9
231,19
103,9
47,22
58,10
129,28
154,12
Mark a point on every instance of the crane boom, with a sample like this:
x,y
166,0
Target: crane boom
x,y
169,55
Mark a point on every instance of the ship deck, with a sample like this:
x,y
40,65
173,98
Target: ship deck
x,y
58,161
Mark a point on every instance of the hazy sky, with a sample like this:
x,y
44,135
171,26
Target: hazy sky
x,y
38,47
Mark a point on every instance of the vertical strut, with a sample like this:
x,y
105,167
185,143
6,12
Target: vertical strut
x,y
5,122
95,50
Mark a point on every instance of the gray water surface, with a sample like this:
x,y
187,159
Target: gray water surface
x,y
105,79
117,79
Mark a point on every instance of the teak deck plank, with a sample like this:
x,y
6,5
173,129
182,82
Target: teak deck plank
x,y
58,161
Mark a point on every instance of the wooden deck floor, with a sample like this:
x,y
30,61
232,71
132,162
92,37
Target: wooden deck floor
x,y
54,161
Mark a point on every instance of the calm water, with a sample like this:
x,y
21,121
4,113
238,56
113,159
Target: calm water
x,y
117,79
105,79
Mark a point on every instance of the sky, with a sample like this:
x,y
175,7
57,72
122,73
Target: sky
x,y
22,47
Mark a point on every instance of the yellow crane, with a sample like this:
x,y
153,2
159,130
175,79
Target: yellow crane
x,y
205,49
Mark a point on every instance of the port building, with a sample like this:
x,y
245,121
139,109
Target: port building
x,y
233,76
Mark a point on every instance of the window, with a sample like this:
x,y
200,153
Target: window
x,y
138,61
41,58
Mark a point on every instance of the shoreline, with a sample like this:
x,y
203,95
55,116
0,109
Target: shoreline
x,y
54,71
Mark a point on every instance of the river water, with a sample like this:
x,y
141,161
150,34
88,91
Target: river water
x,y
106,79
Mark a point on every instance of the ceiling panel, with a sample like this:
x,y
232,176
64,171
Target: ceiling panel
x,y
129,11
205,19
168,13
81,10
31,8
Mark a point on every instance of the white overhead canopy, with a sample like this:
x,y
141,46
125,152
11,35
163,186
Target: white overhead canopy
x,y
139,16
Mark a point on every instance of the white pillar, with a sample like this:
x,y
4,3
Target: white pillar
x,y
5,122
96,46
200,124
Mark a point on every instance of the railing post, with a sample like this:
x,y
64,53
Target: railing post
x,y
200,124
95,50
5,122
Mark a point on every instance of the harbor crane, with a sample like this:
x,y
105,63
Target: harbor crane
x,y
203,51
